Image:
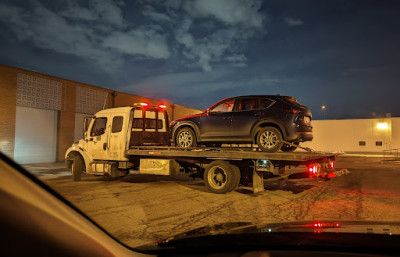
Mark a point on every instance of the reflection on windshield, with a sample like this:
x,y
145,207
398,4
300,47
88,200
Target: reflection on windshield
x,y
106,92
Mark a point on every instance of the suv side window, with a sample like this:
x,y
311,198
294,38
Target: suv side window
x,y
99,127
225,106
248,104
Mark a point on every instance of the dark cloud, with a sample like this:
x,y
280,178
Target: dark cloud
x,y
342,54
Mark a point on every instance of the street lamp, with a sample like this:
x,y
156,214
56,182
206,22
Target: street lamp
x,y
323,109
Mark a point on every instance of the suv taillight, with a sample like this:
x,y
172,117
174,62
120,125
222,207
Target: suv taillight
x,y
293,111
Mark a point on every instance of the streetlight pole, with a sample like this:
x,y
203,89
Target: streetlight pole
x,y
323,108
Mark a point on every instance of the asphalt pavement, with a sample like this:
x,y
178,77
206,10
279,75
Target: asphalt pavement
x,y
140,209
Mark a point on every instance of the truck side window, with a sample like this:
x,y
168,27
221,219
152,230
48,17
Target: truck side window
x,y
117,124
99,127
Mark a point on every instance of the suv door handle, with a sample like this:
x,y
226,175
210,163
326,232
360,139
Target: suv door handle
x,y
226,118
105,146
258,114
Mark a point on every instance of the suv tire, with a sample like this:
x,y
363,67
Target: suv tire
x,y
185,138
269,139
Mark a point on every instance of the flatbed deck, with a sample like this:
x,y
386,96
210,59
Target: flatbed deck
x,y
226,153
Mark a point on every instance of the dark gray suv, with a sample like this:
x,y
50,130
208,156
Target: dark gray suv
x,y
264,120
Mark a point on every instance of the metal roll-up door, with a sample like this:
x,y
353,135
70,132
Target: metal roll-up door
x,y
38,103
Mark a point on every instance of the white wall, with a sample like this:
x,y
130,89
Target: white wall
x,y
345,135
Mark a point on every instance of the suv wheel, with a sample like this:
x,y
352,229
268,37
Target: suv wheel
x,y
269,139
185,138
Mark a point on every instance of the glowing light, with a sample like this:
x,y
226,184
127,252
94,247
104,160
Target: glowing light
x,y
332,164
323,107
162,106
382,126
144,104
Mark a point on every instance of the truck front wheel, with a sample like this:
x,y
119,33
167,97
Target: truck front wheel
x,y
77,168
221,177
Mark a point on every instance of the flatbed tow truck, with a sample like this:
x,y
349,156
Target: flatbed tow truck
x,y
119,140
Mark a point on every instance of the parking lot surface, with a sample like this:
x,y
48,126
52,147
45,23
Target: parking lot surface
x,y
141,209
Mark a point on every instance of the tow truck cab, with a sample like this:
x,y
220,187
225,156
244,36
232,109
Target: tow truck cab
x,y
112,131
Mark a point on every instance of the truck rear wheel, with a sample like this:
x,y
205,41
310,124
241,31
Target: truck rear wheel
x,y
77,168
221,177
236,176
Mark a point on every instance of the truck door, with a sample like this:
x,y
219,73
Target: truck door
x,y
117,137
98,138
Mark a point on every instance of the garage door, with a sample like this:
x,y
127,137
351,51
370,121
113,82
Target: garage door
x,y
35,135
38,103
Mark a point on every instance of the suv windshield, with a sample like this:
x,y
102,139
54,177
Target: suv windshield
x,y
308,129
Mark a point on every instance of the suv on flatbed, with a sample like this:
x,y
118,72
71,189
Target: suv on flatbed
x,y
265,120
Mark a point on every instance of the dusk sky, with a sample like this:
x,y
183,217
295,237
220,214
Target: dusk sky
x,y
342,54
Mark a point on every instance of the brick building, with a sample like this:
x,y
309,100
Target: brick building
x,y
42,115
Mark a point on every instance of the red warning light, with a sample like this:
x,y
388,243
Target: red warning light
x,y
144,104
332,164
162,106
314,169
318,225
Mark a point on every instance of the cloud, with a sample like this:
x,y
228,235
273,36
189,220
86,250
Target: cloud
x,y
199,33
234,23
149,11
293,21
142,41
230,12
88,32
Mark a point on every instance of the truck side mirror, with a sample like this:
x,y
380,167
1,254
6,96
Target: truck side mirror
x,y
86,123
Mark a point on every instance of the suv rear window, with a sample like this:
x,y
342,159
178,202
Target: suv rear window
x,y
292,101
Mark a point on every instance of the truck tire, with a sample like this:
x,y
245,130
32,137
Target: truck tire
x,y
185,138
269,139
220,177
77,168
236,176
